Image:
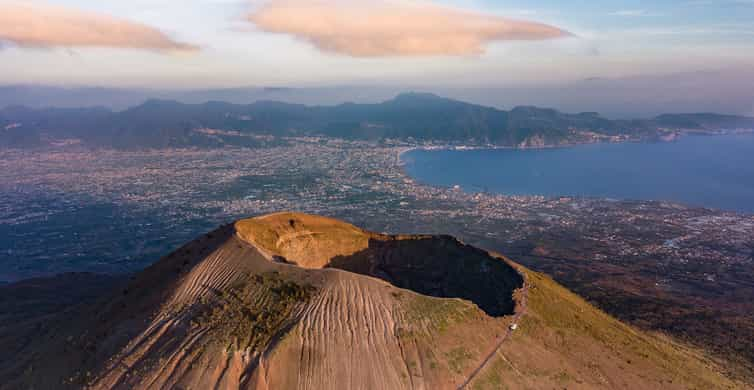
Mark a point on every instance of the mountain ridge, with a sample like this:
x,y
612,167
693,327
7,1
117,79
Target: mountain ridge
x,y
420,117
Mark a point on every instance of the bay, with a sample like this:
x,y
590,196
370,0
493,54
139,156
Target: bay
x,y
708,171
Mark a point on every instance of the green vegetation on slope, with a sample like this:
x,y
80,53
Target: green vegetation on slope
x,y
570,328
436,313
250,315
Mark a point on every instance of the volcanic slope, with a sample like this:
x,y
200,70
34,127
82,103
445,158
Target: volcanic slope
x,y
294,301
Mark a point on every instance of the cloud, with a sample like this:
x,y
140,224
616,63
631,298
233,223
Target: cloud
x,y
629,12
392,27
632,13
35,25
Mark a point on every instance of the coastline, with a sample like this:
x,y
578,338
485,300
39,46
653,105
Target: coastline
x,y
458,183
677,135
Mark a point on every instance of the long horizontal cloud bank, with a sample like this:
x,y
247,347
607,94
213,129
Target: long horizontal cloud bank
x,y
36,25
375,28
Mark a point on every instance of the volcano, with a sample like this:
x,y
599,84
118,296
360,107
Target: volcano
x,y
296,301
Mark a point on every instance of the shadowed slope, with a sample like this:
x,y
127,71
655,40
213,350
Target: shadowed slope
x,y
439,267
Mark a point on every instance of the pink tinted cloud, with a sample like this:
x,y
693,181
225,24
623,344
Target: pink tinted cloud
x,y
376,28
35,25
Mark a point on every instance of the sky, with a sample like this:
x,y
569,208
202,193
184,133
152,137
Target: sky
x,y
448,43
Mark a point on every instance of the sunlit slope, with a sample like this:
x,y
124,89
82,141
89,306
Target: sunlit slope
x,y
308,241
294,301
564,342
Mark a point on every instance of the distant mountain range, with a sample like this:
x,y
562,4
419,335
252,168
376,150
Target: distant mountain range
x,y
410,116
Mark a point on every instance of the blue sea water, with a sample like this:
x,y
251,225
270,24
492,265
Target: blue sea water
x,y
709,171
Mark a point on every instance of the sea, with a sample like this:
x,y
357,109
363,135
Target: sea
x,y
704,171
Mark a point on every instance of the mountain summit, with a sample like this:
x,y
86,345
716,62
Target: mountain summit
x,y
296,301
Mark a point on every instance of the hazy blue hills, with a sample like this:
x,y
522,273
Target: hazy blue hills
x,y
410,116
705,121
